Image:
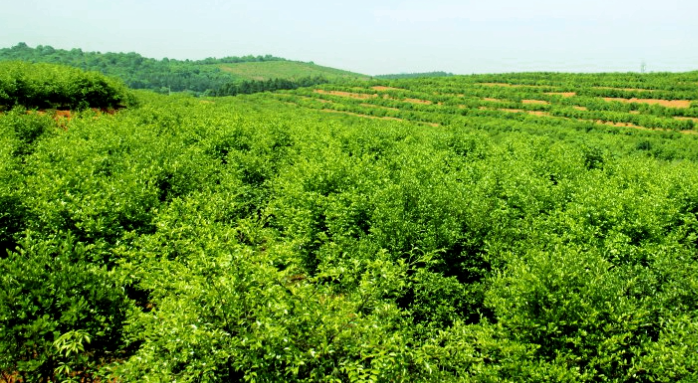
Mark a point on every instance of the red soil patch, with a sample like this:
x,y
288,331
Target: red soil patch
x,y
418,101
621,124
63,113
384,88
540,102
563,94
666,103
531,112
584,108
359,96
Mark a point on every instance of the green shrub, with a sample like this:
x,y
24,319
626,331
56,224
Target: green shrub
x,y
60,317
48,86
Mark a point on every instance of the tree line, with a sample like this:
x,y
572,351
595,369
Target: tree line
x,y
258,86
136,71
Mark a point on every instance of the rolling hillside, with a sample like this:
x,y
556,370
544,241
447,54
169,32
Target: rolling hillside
x,y
292,70
169,75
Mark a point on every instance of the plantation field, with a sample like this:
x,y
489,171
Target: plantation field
x,y
655,102
290,70
492,228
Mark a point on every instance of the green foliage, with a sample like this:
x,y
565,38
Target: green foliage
x,y
48,86
249,87
171,75
59,316
287,70
412,75
281,237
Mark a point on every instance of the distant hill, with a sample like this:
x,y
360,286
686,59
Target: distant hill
x,y
290,70
199,76
412,75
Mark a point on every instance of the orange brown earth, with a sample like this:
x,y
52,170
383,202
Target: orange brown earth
x,y
563,94
539,102
358,96
666,103
384,88
418,101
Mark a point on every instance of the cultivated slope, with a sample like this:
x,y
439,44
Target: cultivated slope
x,y
291,70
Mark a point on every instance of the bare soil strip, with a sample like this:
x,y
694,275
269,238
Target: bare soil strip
x,y
539,102
384,88
665,103
358,96
601,122
417,101
563,94
620,124
583,108
492,99
694,119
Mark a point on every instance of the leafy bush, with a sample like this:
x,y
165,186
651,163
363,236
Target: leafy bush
x,y
246,239
46,86
60,317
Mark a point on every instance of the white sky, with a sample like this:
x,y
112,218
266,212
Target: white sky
x,y
376,37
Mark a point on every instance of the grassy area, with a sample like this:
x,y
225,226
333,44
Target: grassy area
x,y
286,70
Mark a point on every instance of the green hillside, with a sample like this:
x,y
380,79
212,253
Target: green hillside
x,y
205,76
293,70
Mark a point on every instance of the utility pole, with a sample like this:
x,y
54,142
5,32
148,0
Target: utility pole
x,y
643,67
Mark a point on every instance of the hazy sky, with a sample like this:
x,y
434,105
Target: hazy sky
x,y
376,37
